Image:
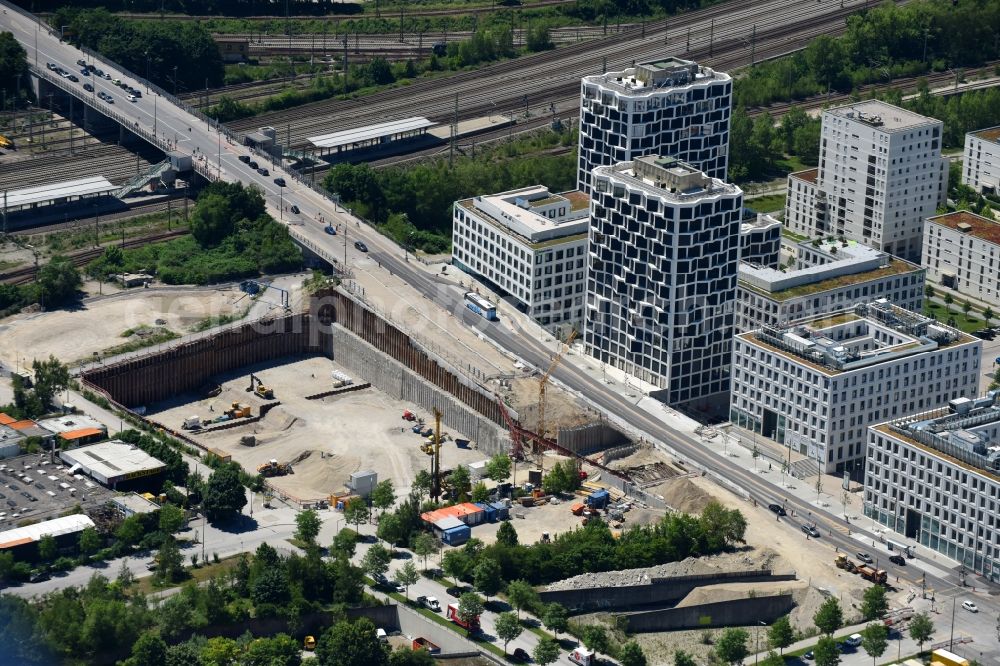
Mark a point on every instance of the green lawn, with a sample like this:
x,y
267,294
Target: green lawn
x,y
966,323
769,203
199,575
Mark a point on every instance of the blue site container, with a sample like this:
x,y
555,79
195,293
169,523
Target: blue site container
x,y
503,513
598,499
457,535
489,510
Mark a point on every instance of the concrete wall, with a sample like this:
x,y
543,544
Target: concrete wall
x,y
391,377
590,438
718,614
661,591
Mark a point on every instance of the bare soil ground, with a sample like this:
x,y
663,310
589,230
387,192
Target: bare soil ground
x,y
325,440
561,409
73,335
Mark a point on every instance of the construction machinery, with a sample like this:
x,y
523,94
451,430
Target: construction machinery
x,y
843,562
257,387
436,460
273,468
540,443
238,411
877,576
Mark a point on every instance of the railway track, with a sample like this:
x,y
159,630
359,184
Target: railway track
x,y
719,37
114,162
83,257
88,222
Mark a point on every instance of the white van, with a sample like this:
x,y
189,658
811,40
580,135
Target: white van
x,y
854,640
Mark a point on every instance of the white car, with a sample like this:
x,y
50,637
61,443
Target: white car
x,y
131,98
969,606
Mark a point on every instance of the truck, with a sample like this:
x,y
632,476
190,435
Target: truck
x,y
472,626
430,603
878,576
423,643
192,423
238,411
843,562
582,656
947,658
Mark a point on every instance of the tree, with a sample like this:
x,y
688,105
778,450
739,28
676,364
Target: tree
x,y
13,62
556,481
506,534
595,637
826,653
875,639
546,651
345,542
350,644
383,495
460,482
498,468
405,656
90,542
279,650
225,496
125,578
556,618
169,562
57,282
149,650
422,482
874,604
948,300
722,527
390,529
47,548
521,595
539,38
423,545
966,307
829,618
376,560
989,315
682,658
731,647
929,291
407,575
487,577
456,564
356,512
781,635
171,518
921,629
508,628
631,654
480,493
307,526
470,607
130,531
270,587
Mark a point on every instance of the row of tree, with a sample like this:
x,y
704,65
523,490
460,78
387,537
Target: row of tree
x,y
56,284
13,67
179,57
885,42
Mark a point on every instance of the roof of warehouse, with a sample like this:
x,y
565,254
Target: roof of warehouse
x,y
449,523
451,512
369,132
98,458
55,527
69,188
6,420
70,435
70,423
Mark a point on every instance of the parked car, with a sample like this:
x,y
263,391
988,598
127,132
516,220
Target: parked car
x,y
898,559
253,165
808,656
279,181
360,246
81,62
51,66
105,76
969,606
264,172
811,531
520,656
74,78
245,159
777,508
865,557
431,603
131,98
89,88
38,576
85,71
295,209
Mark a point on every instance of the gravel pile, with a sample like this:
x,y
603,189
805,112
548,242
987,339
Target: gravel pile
x,y
690,566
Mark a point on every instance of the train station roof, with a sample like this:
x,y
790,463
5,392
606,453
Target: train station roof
x,y
41,194
370,132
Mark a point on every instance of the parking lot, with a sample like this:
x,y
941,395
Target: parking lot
x,y
33,488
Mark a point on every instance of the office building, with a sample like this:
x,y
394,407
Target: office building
x,y
962,252
824,277
664,249
880,174
530,244
670,107
935,478
817,386
981,161
760,241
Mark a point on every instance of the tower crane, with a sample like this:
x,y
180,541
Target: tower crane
x,y
436,460
539,443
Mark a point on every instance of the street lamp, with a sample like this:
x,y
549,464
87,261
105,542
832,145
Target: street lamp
x,y
756,633
281,205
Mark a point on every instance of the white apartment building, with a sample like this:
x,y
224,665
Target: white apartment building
x,y
817,386
664,247
760,241
669,107
935,478
825,277
531,244
981,168
962,252
880,174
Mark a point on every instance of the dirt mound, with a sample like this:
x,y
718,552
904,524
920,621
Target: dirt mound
x,y
682,495
301,457
744,561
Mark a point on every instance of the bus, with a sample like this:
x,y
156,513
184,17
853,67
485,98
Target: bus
x,y
480,306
